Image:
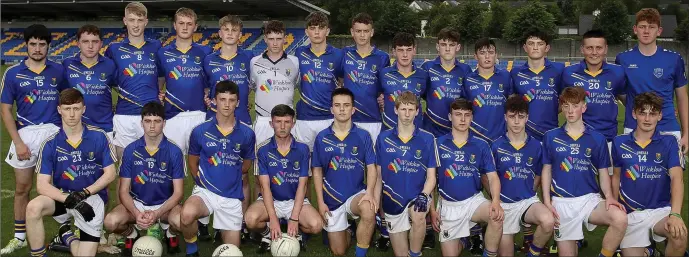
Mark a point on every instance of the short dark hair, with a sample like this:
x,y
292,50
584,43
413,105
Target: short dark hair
x,y
71,96
403,39
342,91
88,29
448,34
484,43
516,104
648,100
37,31
282,110
538,34
274,26
153,108
363,18
461,104
317,19
594,33
226,86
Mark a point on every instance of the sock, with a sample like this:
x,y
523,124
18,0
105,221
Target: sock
x,y
429,225
192,247
40,252
324,236
465,242
605,253
528,234
413,254
487,253
266,231
169,234
68,237
360,250
20,229
475,230
130,232
534,250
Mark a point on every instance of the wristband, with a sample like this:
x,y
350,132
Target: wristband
x,y
676,215
295,220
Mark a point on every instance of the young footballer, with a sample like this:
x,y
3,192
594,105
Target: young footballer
x,y
539,81
488,88
151,182
402,76
518,163
575,170
221,150
181,62
407,160
342,158
649,67
320,68
648,181
138,77
33,85
93,75
75,166
283,165
602,82
362,66
464,158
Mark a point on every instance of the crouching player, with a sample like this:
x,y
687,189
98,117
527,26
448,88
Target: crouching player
x,y
75,166
518,162
575,169
151,181
283,168
651,187
464,158
407,160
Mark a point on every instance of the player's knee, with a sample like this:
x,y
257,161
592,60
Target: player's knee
x,y
547,222
337,250
111,222
679,242
314,226
418,219
22,189
34,210
252,219
367,215
188,216
618,219
173,220
495,225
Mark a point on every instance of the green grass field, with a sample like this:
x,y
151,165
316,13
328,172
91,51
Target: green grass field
x,y
314,247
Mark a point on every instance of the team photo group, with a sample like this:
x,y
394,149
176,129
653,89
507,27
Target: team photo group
x,y
440,152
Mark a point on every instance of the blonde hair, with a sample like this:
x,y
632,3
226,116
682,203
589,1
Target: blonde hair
x,y
185,12
407,97
136,8
234,21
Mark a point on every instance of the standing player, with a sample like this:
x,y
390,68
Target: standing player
x,y
220,151
229,63
93,75
402,76
410,157
539,81
602,81
651,188
283,165
342,157
488,88
320,67
151,181
464,158
573,155
649,67
75,166
181,62
518,162
33,86
362,65
138,78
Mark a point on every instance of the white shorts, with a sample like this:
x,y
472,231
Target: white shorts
x,y
126,129
514,213
93,227
283,209
33,136
178,128
640,225
455,217
574,212
338,217
141,207
228,211
306,130
262,129
372,128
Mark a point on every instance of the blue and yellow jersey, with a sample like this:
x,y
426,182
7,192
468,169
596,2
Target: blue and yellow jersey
x,y
283,169
444,86
319,73
185,79
394,83
35,92
517,165
488,94
461,167
234,68
362,73
95,82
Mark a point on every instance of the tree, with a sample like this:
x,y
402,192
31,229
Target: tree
x,y
557,14
633,6
396,17
441,16
613,21
649,4
470,20
682,31
569,12
587,6
499,13
530,17
676,10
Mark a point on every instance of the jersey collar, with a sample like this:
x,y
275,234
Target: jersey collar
x,y
234,129
265,55
141,142
496,71
77,58
583,67
23,65
587,129
397,133
331,130
656,135
84,133
127,42
328,49
439,63
274,143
